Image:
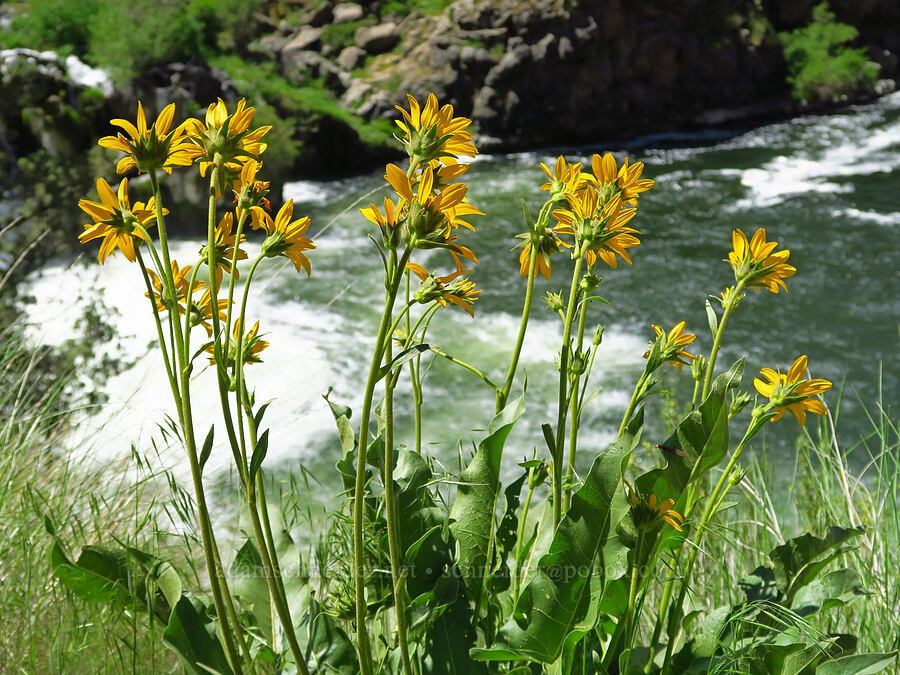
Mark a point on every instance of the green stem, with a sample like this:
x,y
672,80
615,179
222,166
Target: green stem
x,y
503,394
563,404
636,396
574,412
626,624
233,276
517,576
717,341
216,575
712,503
395,275
472,369
392,516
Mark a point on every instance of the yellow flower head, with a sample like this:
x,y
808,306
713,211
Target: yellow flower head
x,y
150,148
754,261
791,392
387,223
599,227
114,219
201,311
181,276
250,345
648,510
433,133
249,192
566,179
608,179
286,236
228,136
429,217
224,247
460,291
670,347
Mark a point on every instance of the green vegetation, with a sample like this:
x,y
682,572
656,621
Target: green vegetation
x,y
820,64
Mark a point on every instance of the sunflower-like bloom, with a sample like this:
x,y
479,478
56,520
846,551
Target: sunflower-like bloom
x,y
201,311
609,179
433,133
286,236
648,510
151,148
228,136
429,217
114,219
251,345
249,192
790,392
600,227
565,180
224,247
460,291
181,276
755,263
387,222
670,347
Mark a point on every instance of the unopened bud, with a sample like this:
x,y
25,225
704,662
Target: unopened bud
x,y
739,401
589,282
698,368
598,335
736,476
554,301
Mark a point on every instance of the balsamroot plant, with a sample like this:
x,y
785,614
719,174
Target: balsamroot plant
x,y
428,573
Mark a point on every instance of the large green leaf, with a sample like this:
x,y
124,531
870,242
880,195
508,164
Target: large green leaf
x,y
834,589
191,634
798,561
474,512
451,635
248,584
559,595
329,649
858,664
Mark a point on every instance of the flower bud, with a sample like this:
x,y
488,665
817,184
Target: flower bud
x,y
554,301
698,368
739,401
598,335
589,282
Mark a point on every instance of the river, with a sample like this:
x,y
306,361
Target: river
x,y
826,186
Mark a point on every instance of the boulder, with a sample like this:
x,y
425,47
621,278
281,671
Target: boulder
x,y
347,11
306,38
351,57
377,39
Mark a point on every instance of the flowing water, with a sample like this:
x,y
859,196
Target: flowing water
x,y
827,187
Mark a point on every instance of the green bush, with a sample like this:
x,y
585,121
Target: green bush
x,y
54,24
821,67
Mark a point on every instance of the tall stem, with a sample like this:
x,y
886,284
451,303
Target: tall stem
x,y
710,510
503,395
717,341
216,574
394,277
574,411
563,404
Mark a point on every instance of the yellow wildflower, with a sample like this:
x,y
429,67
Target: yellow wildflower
x,y
648,510
201,312
249,192
460,291
114,219
286,236
599,227
609,179
181,276
566,179
151,148
227,136
790,392
433,133
670,346
224,247
754,261
251,345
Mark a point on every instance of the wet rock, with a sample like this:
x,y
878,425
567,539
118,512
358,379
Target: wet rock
x,y
351,57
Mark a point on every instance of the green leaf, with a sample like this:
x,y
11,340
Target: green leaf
x,y
450,638
858,664
259,454
329,649
834,589
474,512
248,582
191,634
403,357
712,318
206,450
258,416
798,561
526,214
559,594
